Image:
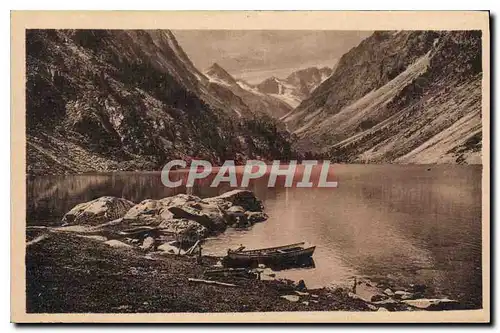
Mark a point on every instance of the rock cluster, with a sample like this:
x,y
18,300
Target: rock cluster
x,y
414,297
185,218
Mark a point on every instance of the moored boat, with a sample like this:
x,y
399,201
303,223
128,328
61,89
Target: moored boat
x,y
292,253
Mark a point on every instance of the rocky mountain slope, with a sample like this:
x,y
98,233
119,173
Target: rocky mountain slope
x,y
252,102
101,100
297,86
403,97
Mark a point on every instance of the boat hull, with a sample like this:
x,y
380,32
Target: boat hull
x,y
254,259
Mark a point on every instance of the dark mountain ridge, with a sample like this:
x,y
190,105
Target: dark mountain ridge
x,y
99,100
217,72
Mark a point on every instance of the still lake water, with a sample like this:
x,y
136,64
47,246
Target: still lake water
x,y
410,224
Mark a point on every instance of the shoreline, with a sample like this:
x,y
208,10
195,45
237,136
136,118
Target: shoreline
x,y
70,272
148,171
112,244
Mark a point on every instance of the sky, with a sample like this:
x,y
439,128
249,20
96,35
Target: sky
x,y
255,55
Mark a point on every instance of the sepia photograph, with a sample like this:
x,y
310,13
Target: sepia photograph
x,y
236,168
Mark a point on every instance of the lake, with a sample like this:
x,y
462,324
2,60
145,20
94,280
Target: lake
x,y
409,224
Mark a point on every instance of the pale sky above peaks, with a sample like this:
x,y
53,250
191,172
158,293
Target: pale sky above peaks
x,y
254,55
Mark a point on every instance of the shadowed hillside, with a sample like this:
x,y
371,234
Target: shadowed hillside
x,y
404,97
100,100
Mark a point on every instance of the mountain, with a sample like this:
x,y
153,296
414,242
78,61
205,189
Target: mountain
x,y
297,86
217,73
398,97
251,103
102,100
306,80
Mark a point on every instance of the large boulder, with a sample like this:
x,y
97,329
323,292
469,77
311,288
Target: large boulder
x,y
187,231
173,209
151,212
208,215
243,198
179,200
156,213
144,213
97,211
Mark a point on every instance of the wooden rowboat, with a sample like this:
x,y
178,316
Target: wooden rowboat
x,y
291,253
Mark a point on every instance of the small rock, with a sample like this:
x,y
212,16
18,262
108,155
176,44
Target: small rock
x,y
315,296
255,217
403,294
382,310
372,307
378,298
262,266
169,248
434,304
305,303
237,220
418,288
301,293
354,296
338,290
382,285
301,285
388,304
314,301
123,307
388,292
148,243
388,301
291,298
116,243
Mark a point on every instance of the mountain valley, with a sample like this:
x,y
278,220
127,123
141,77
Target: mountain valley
x,y
398,97
110,100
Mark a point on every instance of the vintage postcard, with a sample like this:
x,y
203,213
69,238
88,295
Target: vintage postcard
x,y
250,167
